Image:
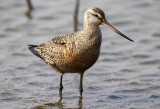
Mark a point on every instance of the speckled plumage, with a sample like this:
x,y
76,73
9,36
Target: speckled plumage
x,y
72,53
75,52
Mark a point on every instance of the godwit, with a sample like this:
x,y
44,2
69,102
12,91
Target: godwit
x,y
78,51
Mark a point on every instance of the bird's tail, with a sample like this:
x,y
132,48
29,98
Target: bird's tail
x,y
32,49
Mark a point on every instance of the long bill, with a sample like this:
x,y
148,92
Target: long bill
x,y
115,30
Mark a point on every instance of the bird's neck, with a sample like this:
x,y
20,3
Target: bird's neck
x,y
92,29
88,24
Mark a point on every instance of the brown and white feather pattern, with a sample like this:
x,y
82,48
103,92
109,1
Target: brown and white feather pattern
x,y
75,52
71,52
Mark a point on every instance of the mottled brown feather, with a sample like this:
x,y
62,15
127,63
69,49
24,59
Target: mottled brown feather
x,y
75,52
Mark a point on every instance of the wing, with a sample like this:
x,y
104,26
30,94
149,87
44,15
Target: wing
x,y
58,50
64,39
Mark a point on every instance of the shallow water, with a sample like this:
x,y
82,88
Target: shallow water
x,y
126,75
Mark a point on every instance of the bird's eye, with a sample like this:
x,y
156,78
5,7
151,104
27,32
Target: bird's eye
x,y
96,15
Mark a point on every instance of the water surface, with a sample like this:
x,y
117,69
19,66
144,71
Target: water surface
x,y
126,75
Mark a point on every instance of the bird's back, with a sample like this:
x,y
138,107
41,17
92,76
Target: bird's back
x,y
72,53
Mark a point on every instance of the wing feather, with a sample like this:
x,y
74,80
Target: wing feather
x,y
56,50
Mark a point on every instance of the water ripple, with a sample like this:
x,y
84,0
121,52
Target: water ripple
x,y
151,62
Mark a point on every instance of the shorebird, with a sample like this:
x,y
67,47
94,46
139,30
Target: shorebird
x,y
75,52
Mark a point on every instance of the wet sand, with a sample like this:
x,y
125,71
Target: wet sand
x,y
126,75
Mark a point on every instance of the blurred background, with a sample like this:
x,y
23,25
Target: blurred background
x,y
126,75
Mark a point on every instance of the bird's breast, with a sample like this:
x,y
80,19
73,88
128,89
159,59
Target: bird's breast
x,y
82,53
86,52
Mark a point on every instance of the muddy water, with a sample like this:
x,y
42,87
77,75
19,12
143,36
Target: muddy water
x,y
126,75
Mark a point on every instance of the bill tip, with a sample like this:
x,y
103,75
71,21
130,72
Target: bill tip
x,y
132,41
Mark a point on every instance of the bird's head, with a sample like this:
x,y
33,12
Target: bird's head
x,y
95,16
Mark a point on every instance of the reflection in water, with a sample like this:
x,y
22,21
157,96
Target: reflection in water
x,y
75,16
30,8
59,105
28,14
75,21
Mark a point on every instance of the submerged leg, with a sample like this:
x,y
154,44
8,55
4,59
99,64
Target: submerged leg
x,y
81,85
60,86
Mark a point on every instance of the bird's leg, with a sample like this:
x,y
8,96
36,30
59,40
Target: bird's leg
x,y
60,86
81,85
